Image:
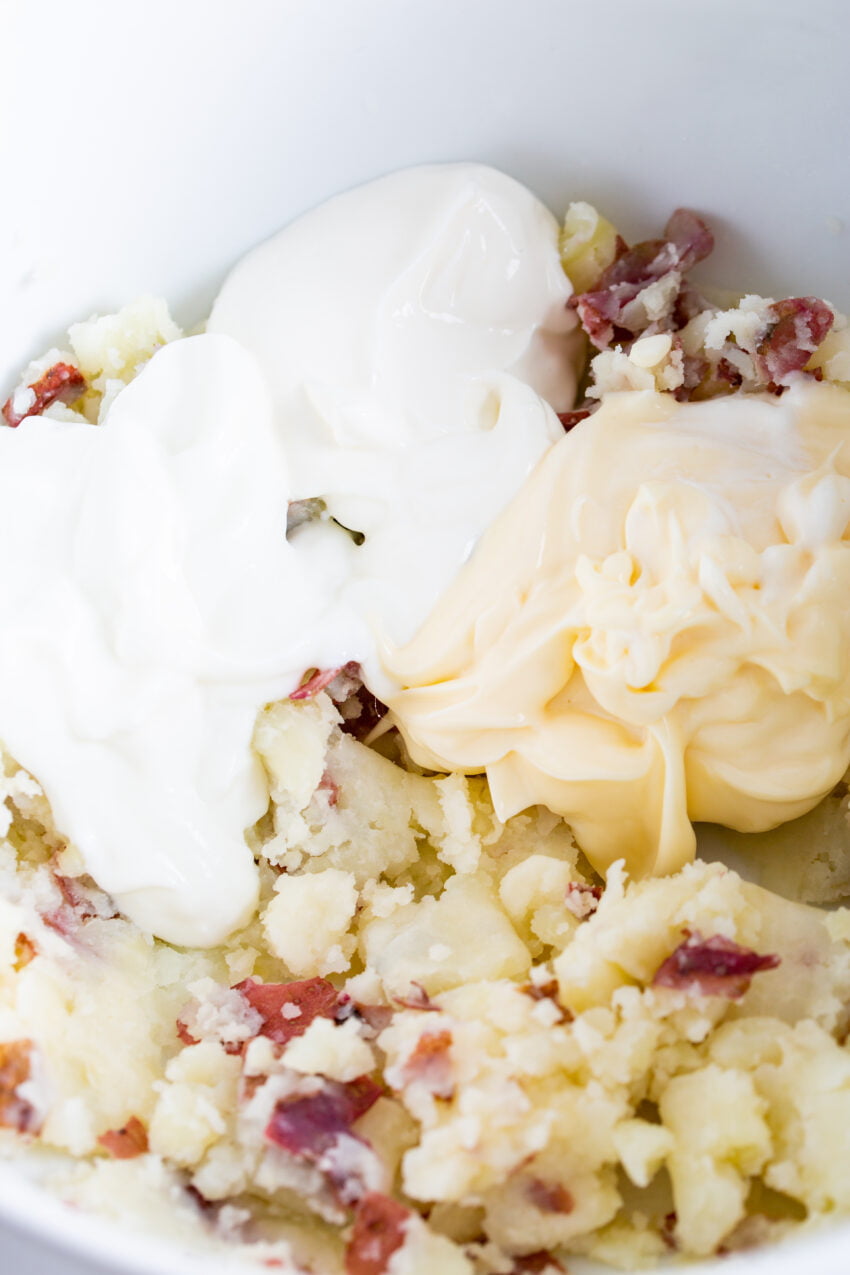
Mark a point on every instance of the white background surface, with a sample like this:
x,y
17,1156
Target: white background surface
x,y
149,145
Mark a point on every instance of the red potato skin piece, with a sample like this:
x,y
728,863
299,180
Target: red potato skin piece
x,y
370,712
537,1263
550,1197
548,992
15,1112
376,1017
184,1035
570,419
417,998
430,1064
361,711
308,1125
380,1225
313,997
322,679
687,240
715,966
328,784
582,900
61,383
319,680
74,910
796,328
126,1143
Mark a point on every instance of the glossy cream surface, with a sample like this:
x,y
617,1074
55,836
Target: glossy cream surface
x,y
138,633
415,336
385,352
656,630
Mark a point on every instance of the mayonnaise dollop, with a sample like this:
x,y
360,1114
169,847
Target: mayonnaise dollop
x,y
416,337
150,604
657,629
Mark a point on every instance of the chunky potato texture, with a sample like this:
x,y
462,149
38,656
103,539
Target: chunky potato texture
x,y
540,1090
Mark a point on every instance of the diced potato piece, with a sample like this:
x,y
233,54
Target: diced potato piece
x,y
292,740
189,1116
642,1148
533,893
588,245
307,922
461,937
717,1119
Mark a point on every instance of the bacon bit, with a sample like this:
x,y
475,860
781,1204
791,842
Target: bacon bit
x,y
25,951
796,328
61,383
15,1111
430,1064
540,1263
550,1197
380,1225
547,992
715,966
311,997
582,900
417,998
569,419
128,1142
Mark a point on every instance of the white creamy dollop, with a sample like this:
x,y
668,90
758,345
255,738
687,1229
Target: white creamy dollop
x,y
149,606
410,331
375,353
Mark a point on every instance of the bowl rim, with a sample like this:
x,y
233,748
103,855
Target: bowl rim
x,y
36,1211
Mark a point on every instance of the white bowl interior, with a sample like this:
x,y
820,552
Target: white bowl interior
x,y
148,147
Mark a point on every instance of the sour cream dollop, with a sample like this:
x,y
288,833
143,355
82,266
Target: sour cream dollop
x,y
150,604
416,337
657,629
387,352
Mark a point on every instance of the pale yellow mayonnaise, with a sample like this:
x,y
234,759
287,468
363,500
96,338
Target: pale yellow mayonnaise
x,y
656,630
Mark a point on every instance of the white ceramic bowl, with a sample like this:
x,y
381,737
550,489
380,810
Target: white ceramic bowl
x,y
149,145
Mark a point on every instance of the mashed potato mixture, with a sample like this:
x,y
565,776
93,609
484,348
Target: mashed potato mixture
x,y
368,658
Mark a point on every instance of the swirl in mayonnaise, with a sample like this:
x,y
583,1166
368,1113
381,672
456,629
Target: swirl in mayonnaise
x,y
656,630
